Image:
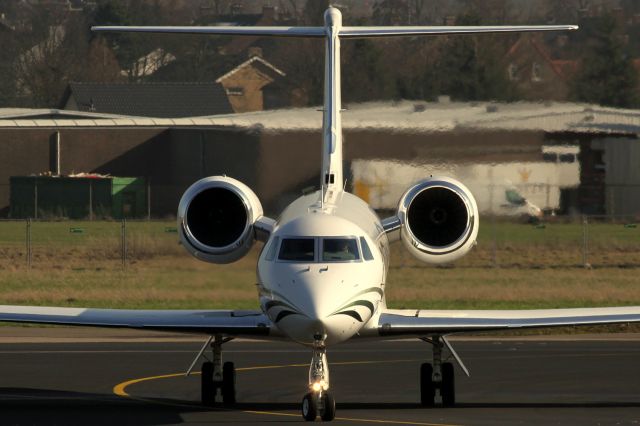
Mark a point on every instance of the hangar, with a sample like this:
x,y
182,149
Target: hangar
x,y
278,152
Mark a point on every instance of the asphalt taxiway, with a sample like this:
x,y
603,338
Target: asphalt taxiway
x,y
135,379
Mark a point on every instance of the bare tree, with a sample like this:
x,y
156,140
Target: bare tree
x,y
50,56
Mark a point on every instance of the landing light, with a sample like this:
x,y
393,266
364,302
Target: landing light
x,y
321,385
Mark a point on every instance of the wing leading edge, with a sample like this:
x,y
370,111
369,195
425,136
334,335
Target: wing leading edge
x,y
232,323
425,322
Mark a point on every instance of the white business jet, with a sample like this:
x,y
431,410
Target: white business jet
x,y
322,272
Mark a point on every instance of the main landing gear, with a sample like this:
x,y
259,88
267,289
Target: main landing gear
x,y
217,376
439,375
318,401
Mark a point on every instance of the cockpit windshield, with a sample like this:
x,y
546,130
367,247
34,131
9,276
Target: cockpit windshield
x,y
339,249
297,250
330,249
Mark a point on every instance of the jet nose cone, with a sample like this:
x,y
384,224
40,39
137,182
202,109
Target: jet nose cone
x,y
317,312
317,323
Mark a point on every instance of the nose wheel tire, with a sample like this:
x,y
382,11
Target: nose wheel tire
x,y
309,407
328,411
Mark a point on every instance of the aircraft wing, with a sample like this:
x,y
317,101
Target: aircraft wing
x,y
428,322
231,323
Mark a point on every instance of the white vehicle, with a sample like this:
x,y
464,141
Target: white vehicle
x,y
322,272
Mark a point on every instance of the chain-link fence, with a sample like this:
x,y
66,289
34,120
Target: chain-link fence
x,y
85,244
588,241
111,198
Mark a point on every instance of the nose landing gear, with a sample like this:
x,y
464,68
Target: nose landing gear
x,y
318,401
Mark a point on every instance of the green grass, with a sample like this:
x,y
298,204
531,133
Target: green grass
x,y
514,266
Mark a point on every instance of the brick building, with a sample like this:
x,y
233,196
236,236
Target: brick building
x,y
245,83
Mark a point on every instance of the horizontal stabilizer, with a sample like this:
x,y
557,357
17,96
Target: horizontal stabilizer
x,y
233,323
221,30
362,32
344,32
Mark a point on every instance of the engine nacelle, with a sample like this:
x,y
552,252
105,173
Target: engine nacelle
x,y
439,220
216,217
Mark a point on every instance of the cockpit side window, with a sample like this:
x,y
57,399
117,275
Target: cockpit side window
x,y
340,249
297,250
271,253
366,251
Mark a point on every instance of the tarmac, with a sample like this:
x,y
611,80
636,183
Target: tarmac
x,y
77,376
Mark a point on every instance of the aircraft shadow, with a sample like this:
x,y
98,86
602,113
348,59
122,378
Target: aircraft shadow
x,y
595,404
45,407
266,406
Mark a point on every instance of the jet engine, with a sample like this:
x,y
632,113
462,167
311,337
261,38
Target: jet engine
x,y
216,218
439,220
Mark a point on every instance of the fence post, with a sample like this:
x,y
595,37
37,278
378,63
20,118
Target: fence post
x,y
29,250
494,242
35,198
148,198
90,200
585,242
123,243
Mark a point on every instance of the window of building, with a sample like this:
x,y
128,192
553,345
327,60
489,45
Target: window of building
x,y
567,158
235,91
513,72
536,72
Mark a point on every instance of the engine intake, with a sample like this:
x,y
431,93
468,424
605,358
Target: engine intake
x,y
439,219
216,217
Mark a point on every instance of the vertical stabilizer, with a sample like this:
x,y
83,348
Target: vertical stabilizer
x,y
332,177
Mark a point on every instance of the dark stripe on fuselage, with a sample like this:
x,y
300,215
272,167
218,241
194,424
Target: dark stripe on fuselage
x,y
274,303
352,314
283,314
365,303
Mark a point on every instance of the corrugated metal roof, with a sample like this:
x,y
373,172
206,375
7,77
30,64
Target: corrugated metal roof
x,y
397,116
435,117
49,114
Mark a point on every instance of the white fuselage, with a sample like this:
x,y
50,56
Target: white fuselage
x,y
312,290
319,295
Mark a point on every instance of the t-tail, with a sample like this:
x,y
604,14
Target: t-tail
x,y
331,176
